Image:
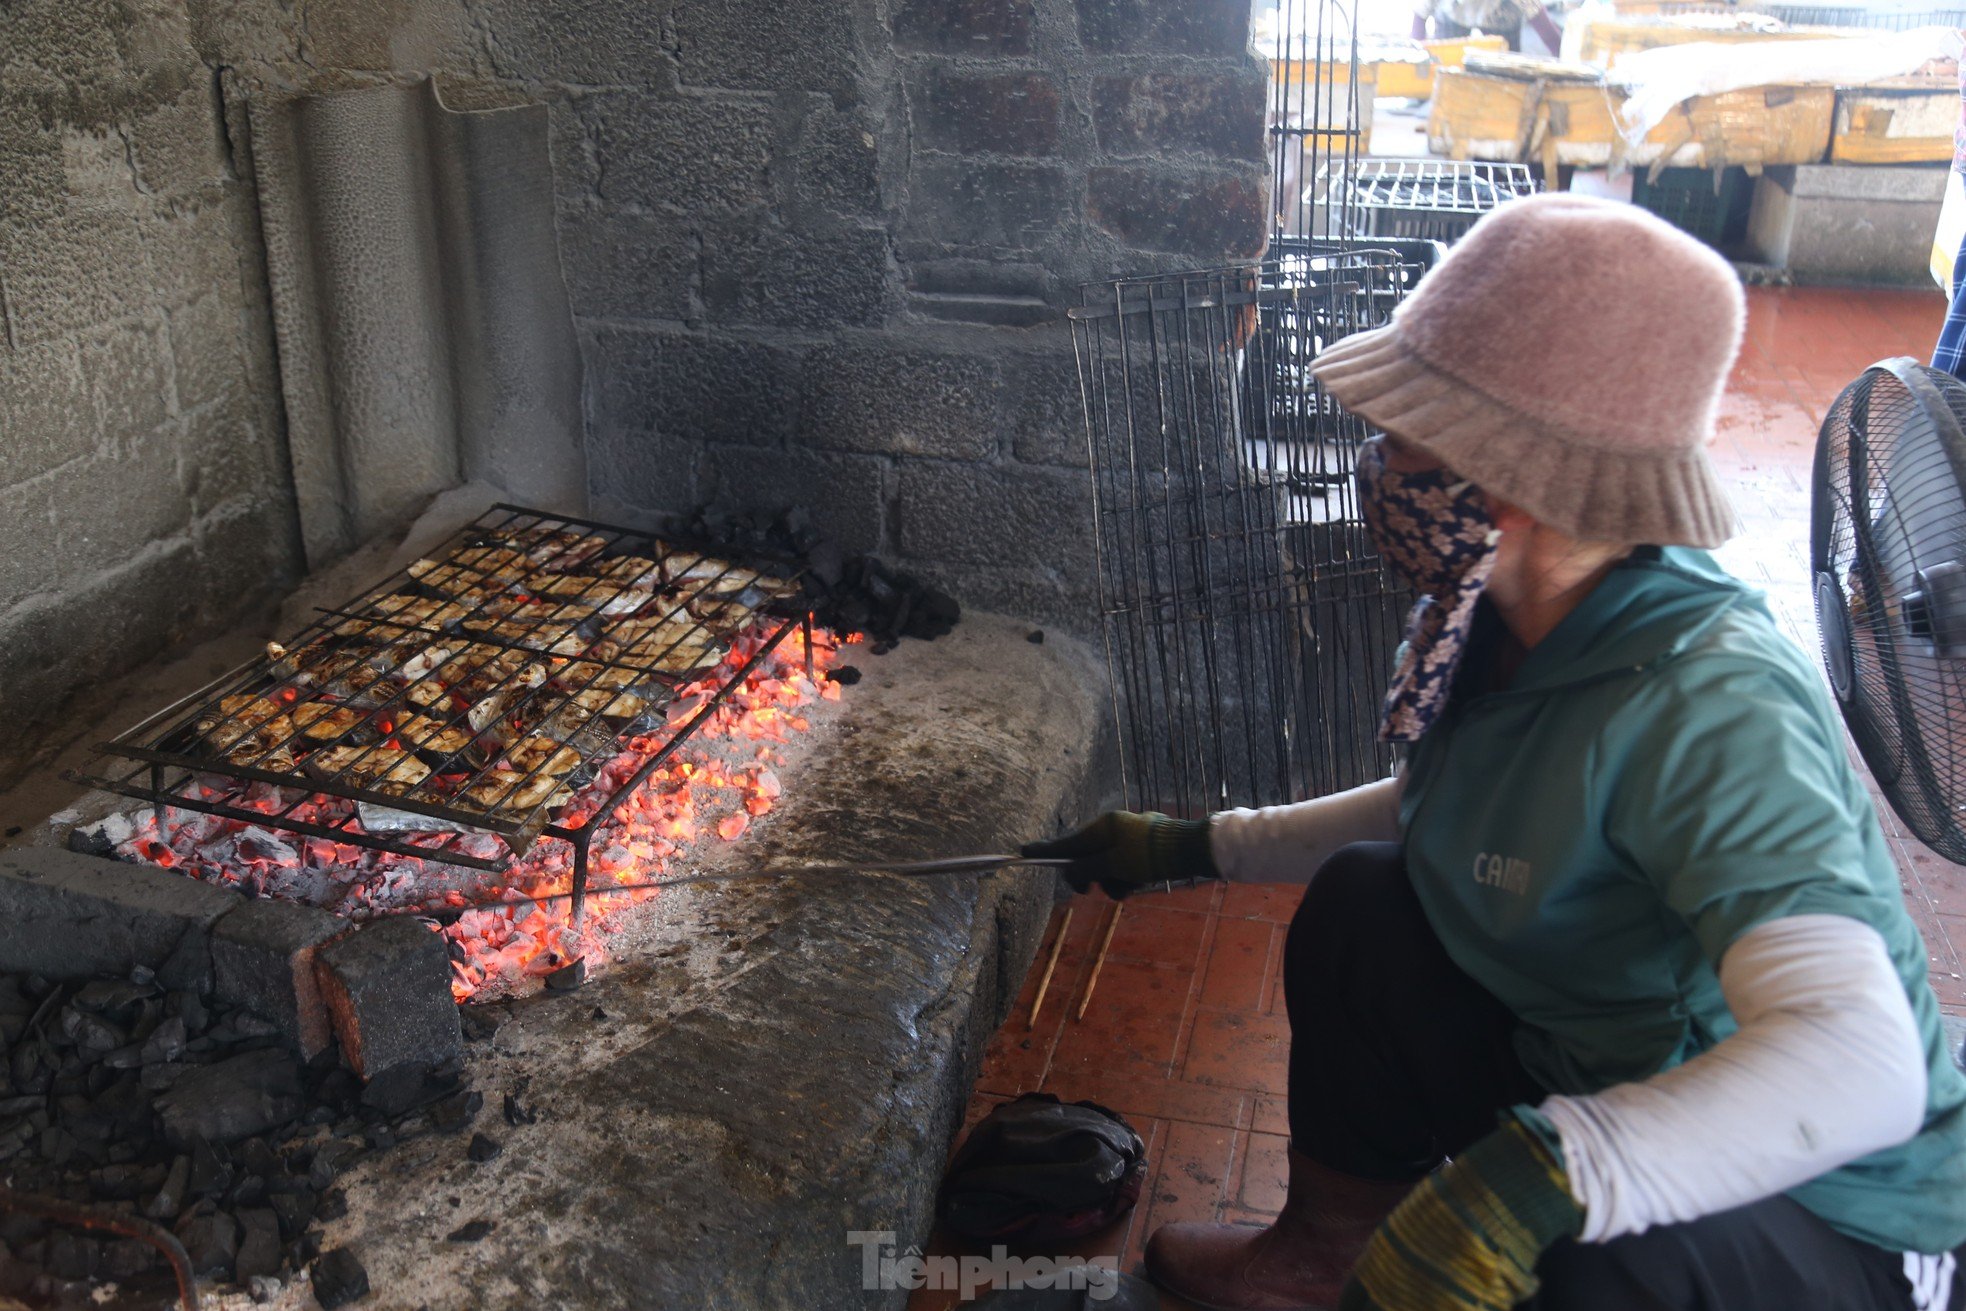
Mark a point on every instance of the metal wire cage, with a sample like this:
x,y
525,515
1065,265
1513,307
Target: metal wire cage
x,y
1249,624
1416,199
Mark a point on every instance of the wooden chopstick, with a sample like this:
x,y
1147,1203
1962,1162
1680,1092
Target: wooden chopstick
x,y
1099,961
1044,984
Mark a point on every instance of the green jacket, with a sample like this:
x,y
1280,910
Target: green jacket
x,y
1665,771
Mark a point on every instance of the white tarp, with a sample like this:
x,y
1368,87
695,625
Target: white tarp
x,y
1658,80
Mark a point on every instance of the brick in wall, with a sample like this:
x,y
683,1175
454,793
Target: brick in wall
x,y
871,397
700,388
1151,114
765,45
684,154
628,266
1188,27
965,27
991,113
836,165
1004,518
1002,205
579,41
766,275
1205,215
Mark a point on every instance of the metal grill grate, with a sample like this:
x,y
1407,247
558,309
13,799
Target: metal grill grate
x,y
1249,624
1418,199
473,693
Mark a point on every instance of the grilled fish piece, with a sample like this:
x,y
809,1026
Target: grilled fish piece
x,y
602,701
380,769
323,721
241,718
507,789
534,755
432,734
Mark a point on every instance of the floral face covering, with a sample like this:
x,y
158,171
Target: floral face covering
x,y
1434,528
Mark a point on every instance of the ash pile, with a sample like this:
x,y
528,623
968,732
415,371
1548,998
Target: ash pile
x,y
131,1114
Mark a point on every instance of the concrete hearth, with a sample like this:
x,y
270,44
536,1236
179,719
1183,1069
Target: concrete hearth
x,y
764,1066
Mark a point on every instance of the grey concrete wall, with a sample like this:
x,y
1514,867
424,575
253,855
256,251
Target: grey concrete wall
x,y
818,255
143,496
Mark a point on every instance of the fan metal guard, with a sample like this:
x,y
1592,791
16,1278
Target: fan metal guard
x,y
1888,550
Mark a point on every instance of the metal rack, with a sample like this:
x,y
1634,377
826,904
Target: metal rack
x,y
589,633
1417,199
1248,622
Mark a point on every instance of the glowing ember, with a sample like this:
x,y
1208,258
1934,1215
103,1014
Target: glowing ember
x,y
718,781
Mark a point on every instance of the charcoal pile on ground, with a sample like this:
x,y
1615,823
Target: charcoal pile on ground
x,y
849,595
124,1097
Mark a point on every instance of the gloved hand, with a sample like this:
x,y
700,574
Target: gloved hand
x,y
1122,852
1469,1235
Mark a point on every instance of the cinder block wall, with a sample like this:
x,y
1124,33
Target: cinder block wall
x,y
144,490
818,254
821,256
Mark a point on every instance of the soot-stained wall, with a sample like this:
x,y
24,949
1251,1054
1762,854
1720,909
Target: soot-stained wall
x,y
818,255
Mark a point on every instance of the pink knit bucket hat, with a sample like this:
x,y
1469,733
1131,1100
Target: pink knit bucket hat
x,y
1568,356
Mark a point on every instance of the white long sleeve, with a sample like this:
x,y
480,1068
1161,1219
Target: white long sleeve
x,y
1826,1066
1286,844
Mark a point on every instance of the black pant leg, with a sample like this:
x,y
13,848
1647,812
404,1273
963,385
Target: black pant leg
x,y
1397,1058
1775,1255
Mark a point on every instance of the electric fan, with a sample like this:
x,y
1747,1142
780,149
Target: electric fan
x,y
1888,545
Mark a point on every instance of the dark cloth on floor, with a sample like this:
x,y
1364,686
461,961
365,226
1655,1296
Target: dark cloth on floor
x,y
1398,1060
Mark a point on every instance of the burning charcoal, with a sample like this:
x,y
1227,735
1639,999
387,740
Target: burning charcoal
x,y
471,1231
338,1279
233,1099
259,1247
211,1240
483,1149
168,1200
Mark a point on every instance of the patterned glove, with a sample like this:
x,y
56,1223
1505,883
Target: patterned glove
x,y
1467,1238
1122,852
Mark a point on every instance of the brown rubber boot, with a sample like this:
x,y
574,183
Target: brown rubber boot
x,y
1299,1263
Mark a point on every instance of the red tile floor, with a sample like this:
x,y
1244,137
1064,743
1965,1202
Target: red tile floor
x,y
1185,1034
